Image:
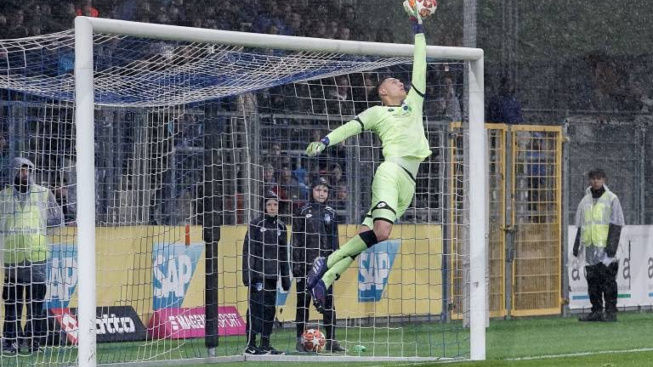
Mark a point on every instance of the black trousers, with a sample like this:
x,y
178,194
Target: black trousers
x,y
262,308
602,284
24,285
302,313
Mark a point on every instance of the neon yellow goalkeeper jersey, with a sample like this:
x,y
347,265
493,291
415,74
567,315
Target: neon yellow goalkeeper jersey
x,y
400,128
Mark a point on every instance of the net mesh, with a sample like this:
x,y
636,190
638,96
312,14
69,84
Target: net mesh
x,y
188,138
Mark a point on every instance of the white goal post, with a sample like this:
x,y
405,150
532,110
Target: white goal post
x,y
85,166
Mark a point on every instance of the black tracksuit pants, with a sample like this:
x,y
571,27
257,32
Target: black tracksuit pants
x,y
602,284
261,311
24,285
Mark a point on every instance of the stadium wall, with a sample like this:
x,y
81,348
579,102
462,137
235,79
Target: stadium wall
x,y
152,267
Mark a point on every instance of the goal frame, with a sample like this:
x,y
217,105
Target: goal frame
x,y
85,27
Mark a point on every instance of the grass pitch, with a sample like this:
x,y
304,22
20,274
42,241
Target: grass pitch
x,y
537,341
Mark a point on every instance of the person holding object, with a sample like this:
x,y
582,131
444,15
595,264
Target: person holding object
x,y
599,219
27,210
315,233
399,125
265,259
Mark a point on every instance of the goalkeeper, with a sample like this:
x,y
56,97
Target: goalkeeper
x,y
398,122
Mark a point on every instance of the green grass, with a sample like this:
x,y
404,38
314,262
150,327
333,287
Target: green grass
x,y
552,341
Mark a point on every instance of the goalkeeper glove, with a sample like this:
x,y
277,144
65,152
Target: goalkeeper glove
x,y
415,18
317,147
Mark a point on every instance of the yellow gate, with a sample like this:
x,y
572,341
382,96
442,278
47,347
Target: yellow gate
x,y
525,216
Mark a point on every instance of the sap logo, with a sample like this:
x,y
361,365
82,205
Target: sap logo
x,y
172,269
375,272
62,276
174,273
111,324
374,267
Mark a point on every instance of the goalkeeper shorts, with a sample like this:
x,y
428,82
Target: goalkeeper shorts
x,y
393,189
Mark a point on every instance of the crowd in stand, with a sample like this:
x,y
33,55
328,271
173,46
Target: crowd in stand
x,y
293,17
286,170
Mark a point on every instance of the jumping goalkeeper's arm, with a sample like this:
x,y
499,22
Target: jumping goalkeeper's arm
x,y
351,128
418,79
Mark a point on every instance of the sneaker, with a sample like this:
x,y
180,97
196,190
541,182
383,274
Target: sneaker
x,y
318,293
317,271
594,316
299,346
9,349
253,349
610,317
334,346
270,350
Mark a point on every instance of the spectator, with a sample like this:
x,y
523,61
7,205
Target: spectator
x,y
145,11
269,174
60,191
176,15
127,10
87,10
290,187
319,30
315,233
277,158
27,210
340,202
266,17
67,11
265,258
449,101
275,151
333,29
293,26
344,33
339,101
599,219
348,17
270,183
16,27
335,174
227,18
504,107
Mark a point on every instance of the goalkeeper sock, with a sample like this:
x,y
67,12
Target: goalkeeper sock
x,y
353,247
335,271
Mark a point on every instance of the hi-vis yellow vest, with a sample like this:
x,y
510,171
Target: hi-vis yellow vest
x,y
23,225
596,221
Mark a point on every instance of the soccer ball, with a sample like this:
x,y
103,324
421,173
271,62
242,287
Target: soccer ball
x,y
313,340
426,8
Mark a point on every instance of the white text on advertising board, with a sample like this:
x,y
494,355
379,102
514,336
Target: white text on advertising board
x,y
174,277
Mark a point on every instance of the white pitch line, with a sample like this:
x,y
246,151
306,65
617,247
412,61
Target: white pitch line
x,y
580,354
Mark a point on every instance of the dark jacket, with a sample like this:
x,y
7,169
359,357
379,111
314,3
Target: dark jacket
x,y
265,251
315,233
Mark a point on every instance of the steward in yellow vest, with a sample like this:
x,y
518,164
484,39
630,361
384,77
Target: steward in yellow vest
x,y
27,210
599,219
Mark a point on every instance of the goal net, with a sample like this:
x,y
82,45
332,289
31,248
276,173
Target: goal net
x,y
159,144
